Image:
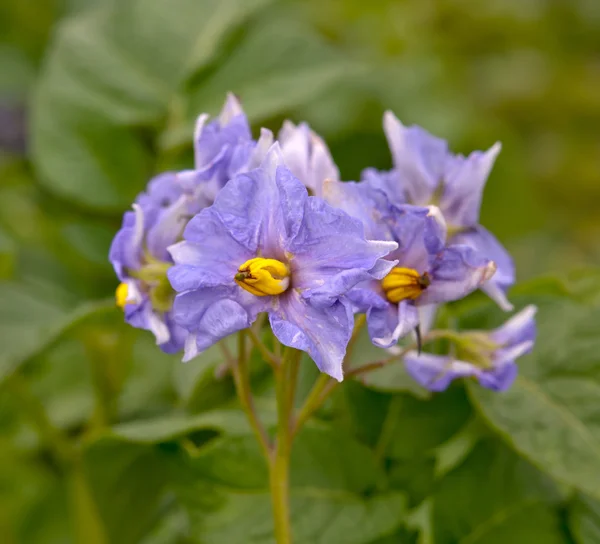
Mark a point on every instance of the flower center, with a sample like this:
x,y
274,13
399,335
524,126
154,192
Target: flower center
x,y
263,277
404,283
152,282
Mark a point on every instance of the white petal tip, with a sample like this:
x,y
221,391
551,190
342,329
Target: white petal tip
x,y
231,109
489,271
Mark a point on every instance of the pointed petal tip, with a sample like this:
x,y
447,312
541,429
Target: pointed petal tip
x,y
489,271
495,149
435,213
231,108
273,158
199,126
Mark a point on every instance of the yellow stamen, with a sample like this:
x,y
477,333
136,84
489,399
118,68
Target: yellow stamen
x,y
263,277
404,283
121,295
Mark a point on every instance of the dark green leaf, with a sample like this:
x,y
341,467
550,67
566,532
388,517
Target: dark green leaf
x,y
30,322
494,497
550,415
126,483
584,520
225,491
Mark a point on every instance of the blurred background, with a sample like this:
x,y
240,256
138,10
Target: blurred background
x,y
96,96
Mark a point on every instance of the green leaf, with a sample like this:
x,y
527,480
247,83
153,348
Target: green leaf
x,y
549,415
7,256
225,491
584,520
317,518
126,483
269,80
494,498
30,322
171,427
101,79
204,383
421,426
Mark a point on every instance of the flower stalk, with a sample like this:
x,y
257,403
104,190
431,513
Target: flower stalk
x,y
241,378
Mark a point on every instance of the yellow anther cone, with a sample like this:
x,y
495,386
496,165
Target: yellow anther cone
x,y
121,295
404,283
263,277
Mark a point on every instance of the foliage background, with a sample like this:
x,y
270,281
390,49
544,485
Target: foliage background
x,y
103,439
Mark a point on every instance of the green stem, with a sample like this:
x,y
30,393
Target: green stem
x,y
358,325
241,378
325,385
280,460
264,351
312,402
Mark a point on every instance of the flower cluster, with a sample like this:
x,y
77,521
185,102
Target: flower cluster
x,y
264,226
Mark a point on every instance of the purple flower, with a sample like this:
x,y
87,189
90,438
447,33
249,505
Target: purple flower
x,y
140,258
266,246
426,272
307,156
426,172
487,357
224,147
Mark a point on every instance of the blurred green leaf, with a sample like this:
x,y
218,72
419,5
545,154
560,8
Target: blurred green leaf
x,y
550,413
420,426
584,520
225,487
204,383
171,427
126,484
7,256
111,69
494,498
268,79
30,323
46,520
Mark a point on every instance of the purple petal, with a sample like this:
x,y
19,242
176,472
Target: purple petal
x,y
362,202
419,158
419,234
456,272
435,372
167,229
331,254
209,256
390,323
500,378
484,241
321,332
126,248
463,186
367,295
307,156
519,328
214,313
386,182
170,337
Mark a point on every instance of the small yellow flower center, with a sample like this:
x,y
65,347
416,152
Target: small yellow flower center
x,y
263,277
121,295
404,283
